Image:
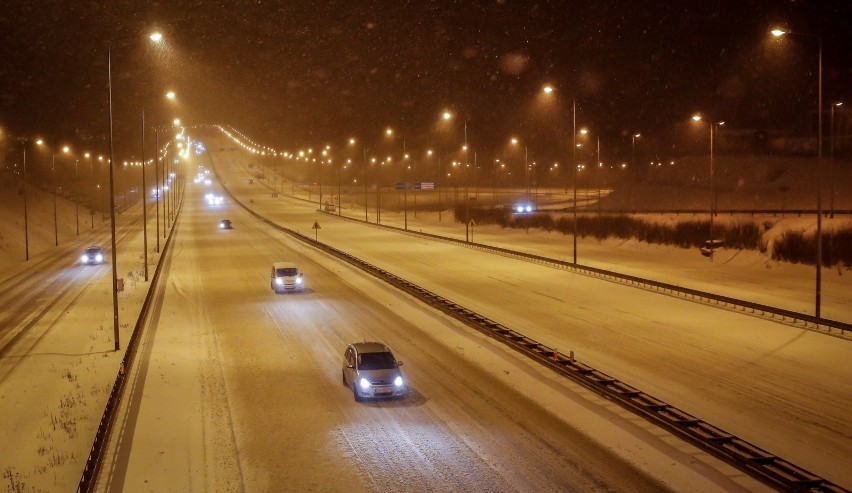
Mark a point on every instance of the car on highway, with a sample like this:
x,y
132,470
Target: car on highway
x,y
371,371
710,246
523,208
286,277
225,224
93,255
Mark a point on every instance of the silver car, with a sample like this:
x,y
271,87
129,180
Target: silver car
x,y
370,370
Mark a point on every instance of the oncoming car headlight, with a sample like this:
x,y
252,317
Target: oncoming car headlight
x,y
279,281
398,381
85,258
298,280
364,384
99,258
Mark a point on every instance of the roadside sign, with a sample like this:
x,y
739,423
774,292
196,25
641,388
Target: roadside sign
x,y
316,225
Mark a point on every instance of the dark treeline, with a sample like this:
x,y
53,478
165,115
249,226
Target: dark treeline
x,y
792,246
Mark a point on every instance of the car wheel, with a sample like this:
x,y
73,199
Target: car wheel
x,y
343,375
358,398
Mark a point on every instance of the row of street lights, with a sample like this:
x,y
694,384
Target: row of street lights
x,y
713,127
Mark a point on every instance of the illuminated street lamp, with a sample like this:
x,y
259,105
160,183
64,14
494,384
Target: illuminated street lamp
x,y
155,37
818,295
548,90
633,182
515,142
144,196
65,150
38,142
713,129
89,157
836,104
76,201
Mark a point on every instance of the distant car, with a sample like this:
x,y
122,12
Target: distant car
x,y
523,208
93,255
711,246
251,182
225,224
286,277
371,370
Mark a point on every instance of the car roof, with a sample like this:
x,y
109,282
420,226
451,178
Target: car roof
x,y
370,347
284,265
94,247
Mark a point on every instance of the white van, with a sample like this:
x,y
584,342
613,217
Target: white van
x,y
286,277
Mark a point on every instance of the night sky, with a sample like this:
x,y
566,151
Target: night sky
x,y
291,73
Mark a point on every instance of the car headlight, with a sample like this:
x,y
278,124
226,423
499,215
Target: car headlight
x,y
398,381
529,208
279,281
519,208
298,280
364,384
84,258
99,258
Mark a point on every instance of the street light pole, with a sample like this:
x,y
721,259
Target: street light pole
x,y
818,294
818,300
26,225
366,195
167,189
339,197
598,168
633,171
112,203
157,181
713,128
55,224
76,199
527,169
574,165
144,205
836,104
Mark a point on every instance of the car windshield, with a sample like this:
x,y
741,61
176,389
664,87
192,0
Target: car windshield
x,y
93,251
289,271
376,361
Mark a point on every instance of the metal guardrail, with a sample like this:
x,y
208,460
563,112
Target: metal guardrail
x,y
751,459
845,329
93,462
719,212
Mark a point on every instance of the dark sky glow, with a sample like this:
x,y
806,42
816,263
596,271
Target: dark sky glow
x,y
300,73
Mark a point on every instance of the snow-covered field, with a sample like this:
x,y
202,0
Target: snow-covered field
x,y
238,389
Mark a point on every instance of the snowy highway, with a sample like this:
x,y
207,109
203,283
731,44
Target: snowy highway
x,y
239,388
235,388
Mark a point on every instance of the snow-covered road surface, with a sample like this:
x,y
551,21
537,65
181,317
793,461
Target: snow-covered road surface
x,y
237,388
